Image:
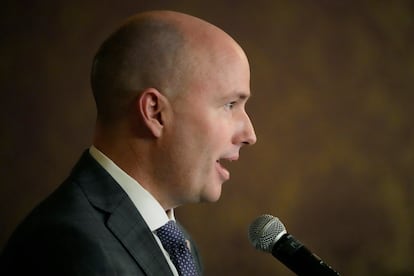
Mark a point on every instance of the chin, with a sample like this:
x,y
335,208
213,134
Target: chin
x,y
211,197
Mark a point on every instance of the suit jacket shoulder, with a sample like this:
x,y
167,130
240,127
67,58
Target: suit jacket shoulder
x,y
88,226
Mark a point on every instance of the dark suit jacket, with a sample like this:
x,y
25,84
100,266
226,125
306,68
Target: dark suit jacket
x,y
88,226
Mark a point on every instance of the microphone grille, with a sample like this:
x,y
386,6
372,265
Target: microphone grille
x,y
264,231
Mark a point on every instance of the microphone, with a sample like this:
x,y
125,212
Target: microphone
x,y
267,233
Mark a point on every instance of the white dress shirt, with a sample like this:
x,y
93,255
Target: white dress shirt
x,y
149,208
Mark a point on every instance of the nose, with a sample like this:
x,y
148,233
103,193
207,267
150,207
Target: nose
x,y
248,136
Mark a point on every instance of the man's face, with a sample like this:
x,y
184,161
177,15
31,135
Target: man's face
x,y
208,127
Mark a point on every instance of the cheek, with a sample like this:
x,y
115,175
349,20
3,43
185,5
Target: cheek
x,y
200,140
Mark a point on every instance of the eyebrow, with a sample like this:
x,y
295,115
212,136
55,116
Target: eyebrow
x,y
243,96
239,95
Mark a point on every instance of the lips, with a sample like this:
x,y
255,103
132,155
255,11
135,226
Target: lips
x,y
223,172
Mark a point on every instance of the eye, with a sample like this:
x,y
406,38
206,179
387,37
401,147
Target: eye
x,y
230,105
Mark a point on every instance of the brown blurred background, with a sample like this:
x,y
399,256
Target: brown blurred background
x,y
332,107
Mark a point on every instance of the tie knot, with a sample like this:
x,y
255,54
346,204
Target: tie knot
x,y
171,233
174,242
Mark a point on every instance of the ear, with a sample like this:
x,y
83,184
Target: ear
x,y
151,105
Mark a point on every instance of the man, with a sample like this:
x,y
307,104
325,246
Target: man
x,y
170,91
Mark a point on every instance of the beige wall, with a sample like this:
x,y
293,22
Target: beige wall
x,y
332,106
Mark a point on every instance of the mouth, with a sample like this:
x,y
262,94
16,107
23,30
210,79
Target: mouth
x,y
221,163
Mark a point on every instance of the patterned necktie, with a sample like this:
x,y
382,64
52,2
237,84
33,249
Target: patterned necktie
x,y
174,242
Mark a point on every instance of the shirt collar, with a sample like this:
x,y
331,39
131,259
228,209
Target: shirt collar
x,y
149,208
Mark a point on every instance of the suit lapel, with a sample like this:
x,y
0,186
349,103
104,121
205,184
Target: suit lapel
x,y
134,234
124,220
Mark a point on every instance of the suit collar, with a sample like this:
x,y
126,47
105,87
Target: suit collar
x,y
124,221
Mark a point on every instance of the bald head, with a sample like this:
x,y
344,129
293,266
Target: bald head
x,y
158,49
171,91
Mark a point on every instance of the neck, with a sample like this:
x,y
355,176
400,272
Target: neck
x,y
135,156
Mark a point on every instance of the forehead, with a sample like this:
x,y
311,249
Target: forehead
x,y
221,83
216,65
224,67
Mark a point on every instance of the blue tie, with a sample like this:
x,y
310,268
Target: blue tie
x,y
175,244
